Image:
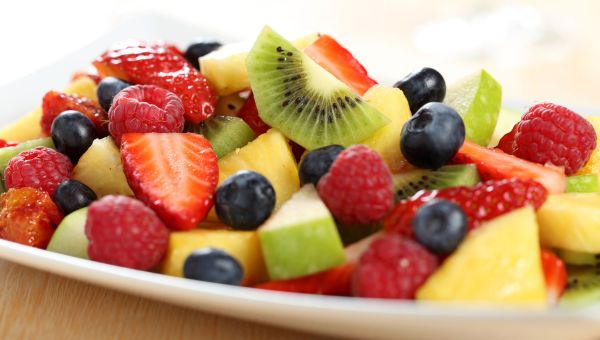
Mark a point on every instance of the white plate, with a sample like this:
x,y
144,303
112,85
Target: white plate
x,y
347,317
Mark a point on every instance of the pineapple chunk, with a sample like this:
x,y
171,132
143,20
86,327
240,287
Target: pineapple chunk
x,y
100,169
28,127
593,164
571,221
386,141
499,263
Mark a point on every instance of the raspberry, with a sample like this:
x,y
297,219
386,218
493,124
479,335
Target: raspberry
x,y
393,268
552,134
55,103
145,108
506,142
480,203
28,216
41,168
124,232
358,186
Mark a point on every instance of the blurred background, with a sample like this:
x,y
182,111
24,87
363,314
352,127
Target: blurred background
x,y
538,50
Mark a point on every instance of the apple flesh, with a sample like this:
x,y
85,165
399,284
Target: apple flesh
x,y
583,183
300,238
69,238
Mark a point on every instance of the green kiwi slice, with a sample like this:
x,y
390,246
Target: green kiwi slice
x,y
578,258
7,153
583,286
410,182
225,133
302,100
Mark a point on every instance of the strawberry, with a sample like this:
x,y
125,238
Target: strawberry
x,y
89,72
161,65
249,113
175,174
495,164
55,103
555,275
341,63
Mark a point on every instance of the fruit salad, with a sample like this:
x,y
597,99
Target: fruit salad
x,y
288,168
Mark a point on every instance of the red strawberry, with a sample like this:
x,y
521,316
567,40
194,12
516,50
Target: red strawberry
x,y
89,72
160,65
482,202
5,144
173,173
339,61
335,281
506,142
495,164
55,103
249,113
555,275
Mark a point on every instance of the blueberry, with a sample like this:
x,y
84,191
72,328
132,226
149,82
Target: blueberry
x,y
108,89
440,226
432,136
213,265
245,200
71,195
317,162
72,133
200,49
421,87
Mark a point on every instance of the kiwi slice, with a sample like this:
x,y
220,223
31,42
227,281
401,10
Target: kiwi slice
x,y
225,133
7,153
578,258
302,100
410,182
583,286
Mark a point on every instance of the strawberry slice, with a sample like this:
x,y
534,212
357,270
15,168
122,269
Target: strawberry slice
x,y
175,174
333,57
495,164
555,275
249,113
55,103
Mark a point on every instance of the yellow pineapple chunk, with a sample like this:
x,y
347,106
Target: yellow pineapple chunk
x,y
386,141
593,164
28,127
498,263
229,105
571,221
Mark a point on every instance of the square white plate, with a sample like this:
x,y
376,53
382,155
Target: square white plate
x,y
348,317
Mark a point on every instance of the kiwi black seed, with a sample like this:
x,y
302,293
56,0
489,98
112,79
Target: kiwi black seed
x,y
225,133
410,182
583,286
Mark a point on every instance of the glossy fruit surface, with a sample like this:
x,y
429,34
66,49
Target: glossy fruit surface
x,y
213,265
107,89
317,163
421,87
73,133
440,226
72,195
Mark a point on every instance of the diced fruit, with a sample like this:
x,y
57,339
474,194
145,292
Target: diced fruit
x,y
570,221
440,226
249,113
28,127
302,100
41,168
578,258
506,121
495,164
499,263
173,173
199,49
7,153
224,133
555,276
229,105
333,57
296,245
213,265
409,182
432,136
243,245
69,238
421,87
100,169
477,99
55,103
392,103
72,134
245,200
28,216
89,72
72,195
583,285
593,164
316,163
583,183
107,89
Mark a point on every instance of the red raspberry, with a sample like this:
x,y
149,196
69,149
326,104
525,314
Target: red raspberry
x,y
124,232
28,216
506,142
393,268
145,108
552,134
41,168
483,202
55,103
358,186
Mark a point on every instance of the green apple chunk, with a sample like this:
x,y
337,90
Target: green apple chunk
x,y
69,238
300,238
477,99
507,119
583,183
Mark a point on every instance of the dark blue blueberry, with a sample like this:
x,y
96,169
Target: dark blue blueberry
x,y
213,265
72,133
200,49
421,87
108,89
317,162
432,136
440,226
71,195
245,200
